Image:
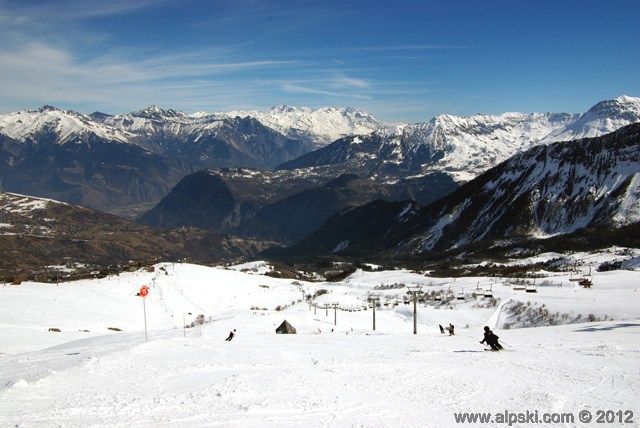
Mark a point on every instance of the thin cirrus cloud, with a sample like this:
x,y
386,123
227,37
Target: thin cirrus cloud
x,y
192,79
43,54
70,10
343,81
298,88
39,71
51,54
396,48
227,55
336,85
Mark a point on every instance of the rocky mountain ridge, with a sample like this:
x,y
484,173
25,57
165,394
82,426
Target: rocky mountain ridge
x,y
209,141
283,206
47,235
546,191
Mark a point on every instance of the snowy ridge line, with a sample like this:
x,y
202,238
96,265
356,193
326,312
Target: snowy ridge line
x,y
490,138
326,124
29,124
598,186
465,147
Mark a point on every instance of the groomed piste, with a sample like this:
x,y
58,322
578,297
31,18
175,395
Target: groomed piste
x,y
101,370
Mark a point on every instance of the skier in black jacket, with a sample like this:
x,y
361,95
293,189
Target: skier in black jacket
x,y
491,339
231,335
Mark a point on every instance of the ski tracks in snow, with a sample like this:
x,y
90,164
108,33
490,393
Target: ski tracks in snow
x,y
326,380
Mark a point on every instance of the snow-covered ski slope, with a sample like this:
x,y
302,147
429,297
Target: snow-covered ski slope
x,y
335,372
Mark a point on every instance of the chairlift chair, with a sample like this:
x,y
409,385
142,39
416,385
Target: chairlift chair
x,y
587,282
489,292
519,286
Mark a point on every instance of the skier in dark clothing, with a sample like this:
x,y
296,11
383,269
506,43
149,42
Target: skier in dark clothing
x,y
441,328
231,335
491,339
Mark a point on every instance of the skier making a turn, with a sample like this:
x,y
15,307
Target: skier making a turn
x,y
231,335
491,339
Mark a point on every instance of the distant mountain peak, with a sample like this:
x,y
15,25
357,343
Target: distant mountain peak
x,y
621,107
319,126
154,112
625,99
48,107
603,118
283,108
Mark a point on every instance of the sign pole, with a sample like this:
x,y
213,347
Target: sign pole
x,y
144,308
144,290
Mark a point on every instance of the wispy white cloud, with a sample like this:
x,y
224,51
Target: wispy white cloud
x,y
185,65
68,10
296,88
51,53
218,78
37,71
342,81
401,48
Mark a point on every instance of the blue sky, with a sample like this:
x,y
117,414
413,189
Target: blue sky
x,y
399,60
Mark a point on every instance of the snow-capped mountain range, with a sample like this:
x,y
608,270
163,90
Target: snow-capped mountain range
x,y
207,141
314,127
64,125
136,158
542,192
464,147
546,191
319,126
